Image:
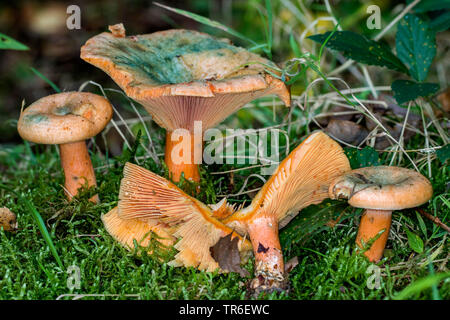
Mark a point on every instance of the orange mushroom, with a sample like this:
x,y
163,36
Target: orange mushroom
x,y
301,179
126,231
68,119
380,190
148,202
182,77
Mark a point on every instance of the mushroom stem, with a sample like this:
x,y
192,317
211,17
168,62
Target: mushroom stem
x,y
263,231
77,167
372,222
183,154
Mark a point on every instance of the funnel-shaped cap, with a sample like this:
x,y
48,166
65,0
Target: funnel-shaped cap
x,y
182,76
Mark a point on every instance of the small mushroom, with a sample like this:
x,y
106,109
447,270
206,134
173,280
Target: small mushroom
x,y
183,78
68,119
8,220
301,179
380,190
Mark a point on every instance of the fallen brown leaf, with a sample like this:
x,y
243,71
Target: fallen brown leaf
x,y
347,131
290,264
226,253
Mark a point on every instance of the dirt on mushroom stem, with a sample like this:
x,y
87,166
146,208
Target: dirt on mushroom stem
x,y
263,232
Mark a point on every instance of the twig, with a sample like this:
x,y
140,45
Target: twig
x,y
435,220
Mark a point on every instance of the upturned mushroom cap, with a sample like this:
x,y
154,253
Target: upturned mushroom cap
x,y
126,231
145,195
64,118
382,188
181,76
301,179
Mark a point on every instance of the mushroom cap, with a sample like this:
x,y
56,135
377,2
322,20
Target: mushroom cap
x,y
300,180
126,231
181,76
64,118
382,188
145,195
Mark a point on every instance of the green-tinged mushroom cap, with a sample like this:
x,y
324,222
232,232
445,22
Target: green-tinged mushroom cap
x,y
181,76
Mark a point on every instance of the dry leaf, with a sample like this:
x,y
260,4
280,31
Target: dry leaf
x,y
346,131
226,253
444,99
290,264
323,121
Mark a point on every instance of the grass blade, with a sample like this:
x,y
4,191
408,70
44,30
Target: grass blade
x,y
326,40
294,46
421,285
40,75
207,22
269,27
40,223
8,43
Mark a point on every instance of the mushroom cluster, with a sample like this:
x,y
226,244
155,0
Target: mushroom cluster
x,y
302,179
187,80
183,79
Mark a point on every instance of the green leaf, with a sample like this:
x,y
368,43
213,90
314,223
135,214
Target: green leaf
x,y
414,241
8,43
430,5
357,47
406,90
422,225
416,45
443,153
441,22
269,27
49,82
366,157
421,284
294,46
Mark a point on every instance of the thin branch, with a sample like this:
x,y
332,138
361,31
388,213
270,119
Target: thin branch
x,y
434,219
